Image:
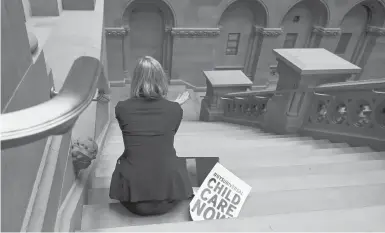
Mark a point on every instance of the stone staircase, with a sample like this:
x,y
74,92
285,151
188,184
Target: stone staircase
x,y
298,183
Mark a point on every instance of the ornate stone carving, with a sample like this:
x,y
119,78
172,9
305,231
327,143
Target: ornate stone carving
x,y
195,32
341,114
326,31
364,115
375,31
121,31
322,112
269,32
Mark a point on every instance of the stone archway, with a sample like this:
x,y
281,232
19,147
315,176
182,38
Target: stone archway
x,y
149,23
236,42
360,39
299,21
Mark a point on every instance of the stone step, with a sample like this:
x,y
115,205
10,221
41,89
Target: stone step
x,y
269,152
112,147
273,184
312,157
342,220
285,171
116,215
237,158
193,126
217,135
101,195
112,153
117,135
115,131
257,204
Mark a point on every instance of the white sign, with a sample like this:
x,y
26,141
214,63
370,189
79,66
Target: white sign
x,y
221,195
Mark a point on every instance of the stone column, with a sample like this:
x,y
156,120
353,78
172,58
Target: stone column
x,y
265,41
326,38
251,57
366,48
116,51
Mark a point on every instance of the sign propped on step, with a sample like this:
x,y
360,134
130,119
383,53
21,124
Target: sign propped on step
x,y
221,195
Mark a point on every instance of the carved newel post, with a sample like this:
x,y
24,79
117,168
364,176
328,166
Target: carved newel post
x,y
300,70
220,83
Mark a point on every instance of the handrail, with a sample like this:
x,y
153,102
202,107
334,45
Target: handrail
x,y
48,118
249,93
257,94
369,84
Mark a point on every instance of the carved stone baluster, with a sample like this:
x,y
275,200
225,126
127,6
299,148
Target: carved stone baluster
x,y
364,115
300,70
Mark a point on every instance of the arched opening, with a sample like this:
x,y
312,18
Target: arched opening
x,y
359,46
299,21
149,23
237,38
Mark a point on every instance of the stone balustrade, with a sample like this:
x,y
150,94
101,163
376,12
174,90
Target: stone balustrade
x,y
313,97
356,109
246,107
219,83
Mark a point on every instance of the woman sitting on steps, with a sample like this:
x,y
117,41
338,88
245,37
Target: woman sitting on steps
x,y
149,179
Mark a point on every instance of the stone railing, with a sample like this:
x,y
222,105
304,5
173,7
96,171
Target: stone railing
x,y
312,99
354,110
49,139
57,116
246,108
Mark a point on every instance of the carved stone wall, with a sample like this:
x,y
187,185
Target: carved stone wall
x,y
195,32
197,23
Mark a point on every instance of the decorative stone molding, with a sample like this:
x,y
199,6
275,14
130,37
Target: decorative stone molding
x,y
117,31
375,31
326,31
195,32
269,32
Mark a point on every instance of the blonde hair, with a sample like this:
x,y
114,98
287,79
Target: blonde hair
x,y
149,79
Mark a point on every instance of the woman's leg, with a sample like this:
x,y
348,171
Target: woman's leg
x,y
147,208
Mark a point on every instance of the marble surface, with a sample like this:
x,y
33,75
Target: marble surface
x,y
227,78
298,176
315,61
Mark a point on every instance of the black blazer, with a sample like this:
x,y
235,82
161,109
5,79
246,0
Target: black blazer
x,y
149,164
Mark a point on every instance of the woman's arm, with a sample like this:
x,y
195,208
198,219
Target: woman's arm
x,y
180,119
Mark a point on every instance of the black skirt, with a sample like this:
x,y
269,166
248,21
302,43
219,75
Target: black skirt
x,y
154,180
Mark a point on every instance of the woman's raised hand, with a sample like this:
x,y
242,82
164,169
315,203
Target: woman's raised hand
x,y
182,98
